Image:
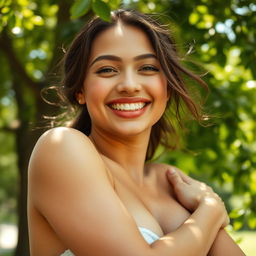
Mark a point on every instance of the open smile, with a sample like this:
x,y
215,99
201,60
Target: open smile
x,y
129,107
128,103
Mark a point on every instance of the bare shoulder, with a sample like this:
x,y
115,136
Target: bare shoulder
x,y
60,142
62,155
61,136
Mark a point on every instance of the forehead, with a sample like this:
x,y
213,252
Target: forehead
x,y
121,40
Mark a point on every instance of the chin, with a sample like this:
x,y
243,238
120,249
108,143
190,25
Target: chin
x,y
132,129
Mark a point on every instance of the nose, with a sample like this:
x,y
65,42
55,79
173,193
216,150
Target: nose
x,y
128,83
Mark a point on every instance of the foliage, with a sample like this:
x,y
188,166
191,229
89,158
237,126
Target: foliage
x,y
219,35
226,151
8,180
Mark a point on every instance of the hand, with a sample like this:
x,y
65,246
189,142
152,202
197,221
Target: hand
x,y
191,193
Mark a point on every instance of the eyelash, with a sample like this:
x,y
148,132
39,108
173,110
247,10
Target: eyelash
x,y
105,70
149,68
108,70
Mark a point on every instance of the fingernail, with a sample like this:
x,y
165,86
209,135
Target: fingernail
x,y
171,171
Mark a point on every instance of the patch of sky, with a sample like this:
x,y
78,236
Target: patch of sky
x,y
37,74
242,10
251,84
129,1
151,5
252,7
205,47
17,31
38,53
226,28
6,101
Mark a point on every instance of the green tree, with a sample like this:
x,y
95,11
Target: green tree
x,y
221,37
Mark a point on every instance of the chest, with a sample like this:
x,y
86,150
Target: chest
x,y
151,206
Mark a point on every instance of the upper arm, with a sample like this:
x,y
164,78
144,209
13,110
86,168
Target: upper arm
x,y
69,185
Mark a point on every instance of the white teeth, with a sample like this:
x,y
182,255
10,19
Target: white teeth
x,y
128,106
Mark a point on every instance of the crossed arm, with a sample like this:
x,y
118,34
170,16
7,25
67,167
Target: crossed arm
x,y
69,184
186,190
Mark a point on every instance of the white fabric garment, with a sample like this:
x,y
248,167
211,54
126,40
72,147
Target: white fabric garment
x,y
148,235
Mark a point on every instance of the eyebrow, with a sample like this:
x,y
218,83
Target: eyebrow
x,y
116,58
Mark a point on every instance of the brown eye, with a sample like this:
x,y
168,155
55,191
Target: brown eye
x,y
106,70
149,68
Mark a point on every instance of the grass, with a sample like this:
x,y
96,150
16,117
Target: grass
x,y
246,240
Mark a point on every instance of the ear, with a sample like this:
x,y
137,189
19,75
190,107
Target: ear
x,y
80,97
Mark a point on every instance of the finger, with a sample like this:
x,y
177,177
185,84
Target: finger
x,y
185,177
226,222
174,177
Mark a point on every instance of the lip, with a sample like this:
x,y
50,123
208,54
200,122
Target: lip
x,y
128,100
130,114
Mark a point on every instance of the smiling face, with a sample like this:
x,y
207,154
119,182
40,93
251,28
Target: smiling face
x,y
125,89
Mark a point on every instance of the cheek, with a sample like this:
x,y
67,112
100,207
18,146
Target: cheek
x,y
159,87
162,94
95,89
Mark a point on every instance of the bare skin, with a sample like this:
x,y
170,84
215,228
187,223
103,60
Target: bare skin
x,y
89,194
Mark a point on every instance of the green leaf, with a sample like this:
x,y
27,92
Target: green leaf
x,y
252,221
236,213
5,10
12,21
237,225
80,8
37,20
114,4
2,3
101,9
193,18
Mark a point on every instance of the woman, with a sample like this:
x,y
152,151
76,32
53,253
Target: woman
x,y
90,190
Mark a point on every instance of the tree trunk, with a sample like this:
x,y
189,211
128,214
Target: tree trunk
x,y
21,140
26,136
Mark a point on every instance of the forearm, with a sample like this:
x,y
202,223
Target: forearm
x,y
224,245
195,237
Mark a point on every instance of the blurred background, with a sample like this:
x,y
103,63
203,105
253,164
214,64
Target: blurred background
x,y
217,36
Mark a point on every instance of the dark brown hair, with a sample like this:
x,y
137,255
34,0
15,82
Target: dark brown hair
x,y
181,104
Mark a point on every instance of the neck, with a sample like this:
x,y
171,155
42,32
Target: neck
x,y
129,152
